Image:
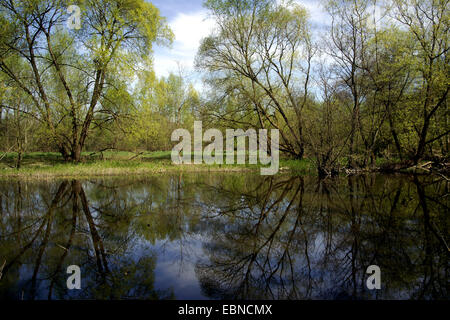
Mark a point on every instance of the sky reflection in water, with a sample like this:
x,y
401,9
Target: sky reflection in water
x,y
233,236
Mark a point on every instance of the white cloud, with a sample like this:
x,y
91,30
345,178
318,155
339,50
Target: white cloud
x,y
189,30
317,14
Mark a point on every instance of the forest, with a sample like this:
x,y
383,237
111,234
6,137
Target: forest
x,y
367,92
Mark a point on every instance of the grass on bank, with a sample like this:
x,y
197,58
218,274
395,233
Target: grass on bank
x,y
49,164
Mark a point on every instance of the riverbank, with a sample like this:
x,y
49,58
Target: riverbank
x,y
51,165
40,165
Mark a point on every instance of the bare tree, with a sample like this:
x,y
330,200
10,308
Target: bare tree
x,y
269,47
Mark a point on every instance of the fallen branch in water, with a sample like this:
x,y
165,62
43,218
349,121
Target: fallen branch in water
x,y
425,166
62,247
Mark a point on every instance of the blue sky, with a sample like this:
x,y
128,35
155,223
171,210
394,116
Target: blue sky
x,y
189,22
171,8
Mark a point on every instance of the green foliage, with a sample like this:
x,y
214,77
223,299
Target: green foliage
x,y
372,87
78,79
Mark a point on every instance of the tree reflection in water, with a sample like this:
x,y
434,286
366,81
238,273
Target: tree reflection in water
x,y
44,230
294,239
244,237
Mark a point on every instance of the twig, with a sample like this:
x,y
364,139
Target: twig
x,y
101,151
425,164
4,155
132,158
441,236
62,247
440,174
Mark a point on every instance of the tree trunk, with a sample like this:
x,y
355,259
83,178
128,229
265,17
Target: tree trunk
x,y
76,153
19,159
422,142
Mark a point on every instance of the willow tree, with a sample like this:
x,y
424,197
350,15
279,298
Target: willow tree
x,y
162,106
428,21
268,46
71,69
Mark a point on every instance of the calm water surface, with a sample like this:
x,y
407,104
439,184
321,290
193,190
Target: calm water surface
x,y
225,236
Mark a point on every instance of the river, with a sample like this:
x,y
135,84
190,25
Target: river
x,y
225,236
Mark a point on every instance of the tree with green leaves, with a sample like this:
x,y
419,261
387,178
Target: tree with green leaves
x,y
428,22
69,73
266,46
160,107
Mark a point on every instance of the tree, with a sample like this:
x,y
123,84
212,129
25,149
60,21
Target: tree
x,y
17,123
394,69
161,106
71,70
326,138
348,47
428,22
268,47
390,76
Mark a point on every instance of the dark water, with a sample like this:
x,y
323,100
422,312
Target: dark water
x,y
233,236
